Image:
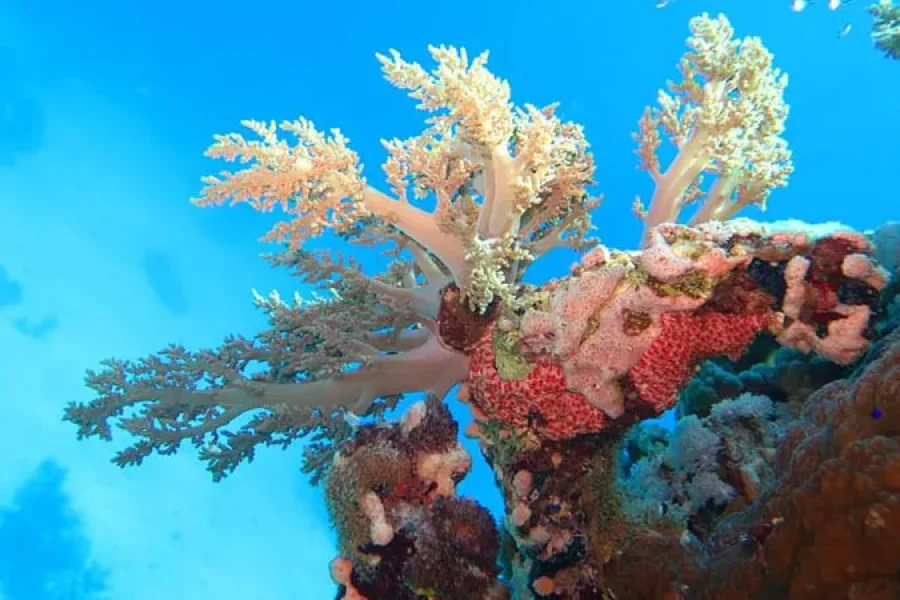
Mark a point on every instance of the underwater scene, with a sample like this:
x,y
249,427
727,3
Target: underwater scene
x,y
450,301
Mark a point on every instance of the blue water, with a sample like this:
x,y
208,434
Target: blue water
x,y
107,108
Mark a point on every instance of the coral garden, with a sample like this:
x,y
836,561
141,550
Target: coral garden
x,y
775,343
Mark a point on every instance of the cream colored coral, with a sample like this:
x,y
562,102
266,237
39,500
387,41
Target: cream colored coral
x,y
491,167
316,168
726,118
490,262
526,156
318,181
476,101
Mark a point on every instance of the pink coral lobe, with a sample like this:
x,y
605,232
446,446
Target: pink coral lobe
x,y
686,340
540,399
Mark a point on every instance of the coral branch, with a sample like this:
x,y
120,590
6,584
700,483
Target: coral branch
x,y
725,118
886,28
526,157
318,182
366,340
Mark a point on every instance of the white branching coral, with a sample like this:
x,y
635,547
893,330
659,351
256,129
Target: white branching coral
x,y
359,340
491,261
318,182
725,119
490,166
508,184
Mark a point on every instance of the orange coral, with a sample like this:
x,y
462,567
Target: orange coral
x,y
841,492
836,502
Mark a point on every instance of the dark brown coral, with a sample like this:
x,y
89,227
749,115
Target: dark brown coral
x,y
402,532
459,326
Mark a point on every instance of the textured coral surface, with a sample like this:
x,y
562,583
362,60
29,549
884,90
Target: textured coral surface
x,y
839,493
616,341
827,527
403,533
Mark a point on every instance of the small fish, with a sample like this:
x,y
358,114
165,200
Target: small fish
x,y
799,5
663,3
834,4
845,30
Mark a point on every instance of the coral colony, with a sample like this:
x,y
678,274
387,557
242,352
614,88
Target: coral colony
x,y
750,494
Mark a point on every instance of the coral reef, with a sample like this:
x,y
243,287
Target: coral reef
x,y
815,521
558,376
